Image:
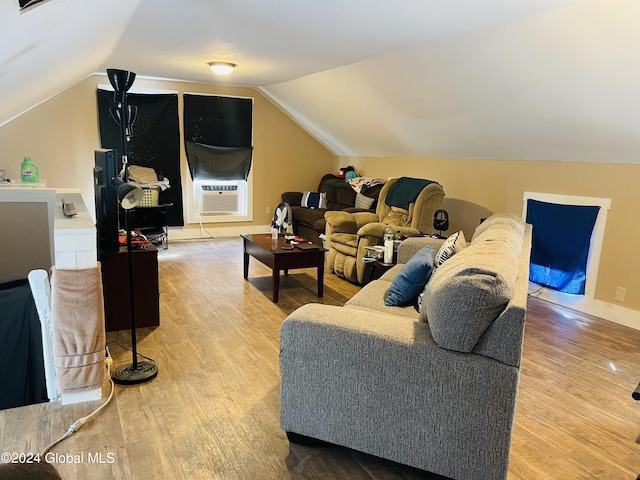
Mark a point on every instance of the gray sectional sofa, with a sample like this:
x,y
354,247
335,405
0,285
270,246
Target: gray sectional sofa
x,y
434,389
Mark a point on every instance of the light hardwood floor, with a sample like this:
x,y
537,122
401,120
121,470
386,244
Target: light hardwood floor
x,y
212,412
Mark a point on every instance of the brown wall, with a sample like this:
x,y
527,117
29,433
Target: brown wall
x,y
476,188
61,135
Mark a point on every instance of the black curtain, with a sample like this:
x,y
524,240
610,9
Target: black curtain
x,y
218,163
217,132
155,141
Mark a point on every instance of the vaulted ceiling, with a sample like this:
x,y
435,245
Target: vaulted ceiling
x,y
500,79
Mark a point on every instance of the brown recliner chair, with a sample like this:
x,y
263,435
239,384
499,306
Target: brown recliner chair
x,y
407,204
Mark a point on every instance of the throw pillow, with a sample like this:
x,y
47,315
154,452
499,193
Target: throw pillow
x,y
411,279
419,300
362,201
314,200
454,243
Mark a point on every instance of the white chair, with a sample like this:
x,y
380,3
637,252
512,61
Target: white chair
x,y
41,290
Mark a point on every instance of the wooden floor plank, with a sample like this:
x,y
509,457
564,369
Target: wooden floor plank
x,y
212,412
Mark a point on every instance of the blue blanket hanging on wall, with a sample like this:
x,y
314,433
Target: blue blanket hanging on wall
x,y
560,244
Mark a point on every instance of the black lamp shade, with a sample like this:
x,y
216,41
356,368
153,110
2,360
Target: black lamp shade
x,y
121,80
129,195
131,115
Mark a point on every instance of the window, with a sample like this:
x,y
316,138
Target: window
x,y
218,143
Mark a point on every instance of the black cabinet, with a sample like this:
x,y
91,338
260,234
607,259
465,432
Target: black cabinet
x,y
115,286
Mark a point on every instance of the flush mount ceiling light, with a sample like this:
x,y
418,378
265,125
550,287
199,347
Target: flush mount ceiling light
x,y
222,68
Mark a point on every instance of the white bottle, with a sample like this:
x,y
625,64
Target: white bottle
x,y
388,245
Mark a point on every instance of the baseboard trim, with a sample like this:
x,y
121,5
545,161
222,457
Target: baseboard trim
x,y
182,233
597,308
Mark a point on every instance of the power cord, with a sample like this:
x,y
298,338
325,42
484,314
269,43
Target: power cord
x,y
77,425
202,229
124,347
536,293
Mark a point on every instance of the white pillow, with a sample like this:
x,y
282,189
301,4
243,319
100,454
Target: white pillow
x,y
362,201
454,243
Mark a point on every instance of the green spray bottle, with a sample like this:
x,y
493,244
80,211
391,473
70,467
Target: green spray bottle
x,y
29,171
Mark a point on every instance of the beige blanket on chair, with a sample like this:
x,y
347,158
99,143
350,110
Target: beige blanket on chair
x,y
77,317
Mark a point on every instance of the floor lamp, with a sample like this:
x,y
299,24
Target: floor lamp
x,y
128,196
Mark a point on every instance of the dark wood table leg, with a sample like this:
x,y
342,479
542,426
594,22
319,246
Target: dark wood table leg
x,y
276,284
321,277
367,274
246,263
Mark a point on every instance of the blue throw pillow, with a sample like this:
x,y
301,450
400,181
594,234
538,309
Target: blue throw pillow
x,y
408,284
314,199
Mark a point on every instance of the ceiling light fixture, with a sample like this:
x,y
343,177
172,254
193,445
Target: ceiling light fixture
x,y
222,68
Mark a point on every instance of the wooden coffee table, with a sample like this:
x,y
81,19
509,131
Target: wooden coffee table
x,y
269,251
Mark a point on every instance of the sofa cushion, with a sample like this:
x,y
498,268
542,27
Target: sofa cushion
x,y
371,297
454,243
509,220
468,292
308,216
408,284
502,233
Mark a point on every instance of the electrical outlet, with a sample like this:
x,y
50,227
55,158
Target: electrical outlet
x,y
620,291
268,210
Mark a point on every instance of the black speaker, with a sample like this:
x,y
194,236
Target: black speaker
x,y
441,220
106,201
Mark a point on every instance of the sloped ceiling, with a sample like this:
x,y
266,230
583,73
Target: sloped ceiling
x,y
562,85
52,46
500,79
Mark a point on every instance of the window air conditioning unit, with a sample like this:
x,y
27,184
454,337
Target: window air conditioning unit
x,y
219,199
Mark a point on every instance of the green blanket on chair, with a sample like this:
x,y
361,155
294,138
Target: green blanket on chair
x,y
405,191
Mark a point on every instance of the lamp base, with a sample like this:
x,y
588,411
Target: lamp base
x,y
127,375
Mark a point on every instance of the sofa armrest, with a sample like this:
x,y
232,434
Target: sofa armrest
x,y
372,381
376,229
410,246
340,222
294,199
373,229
